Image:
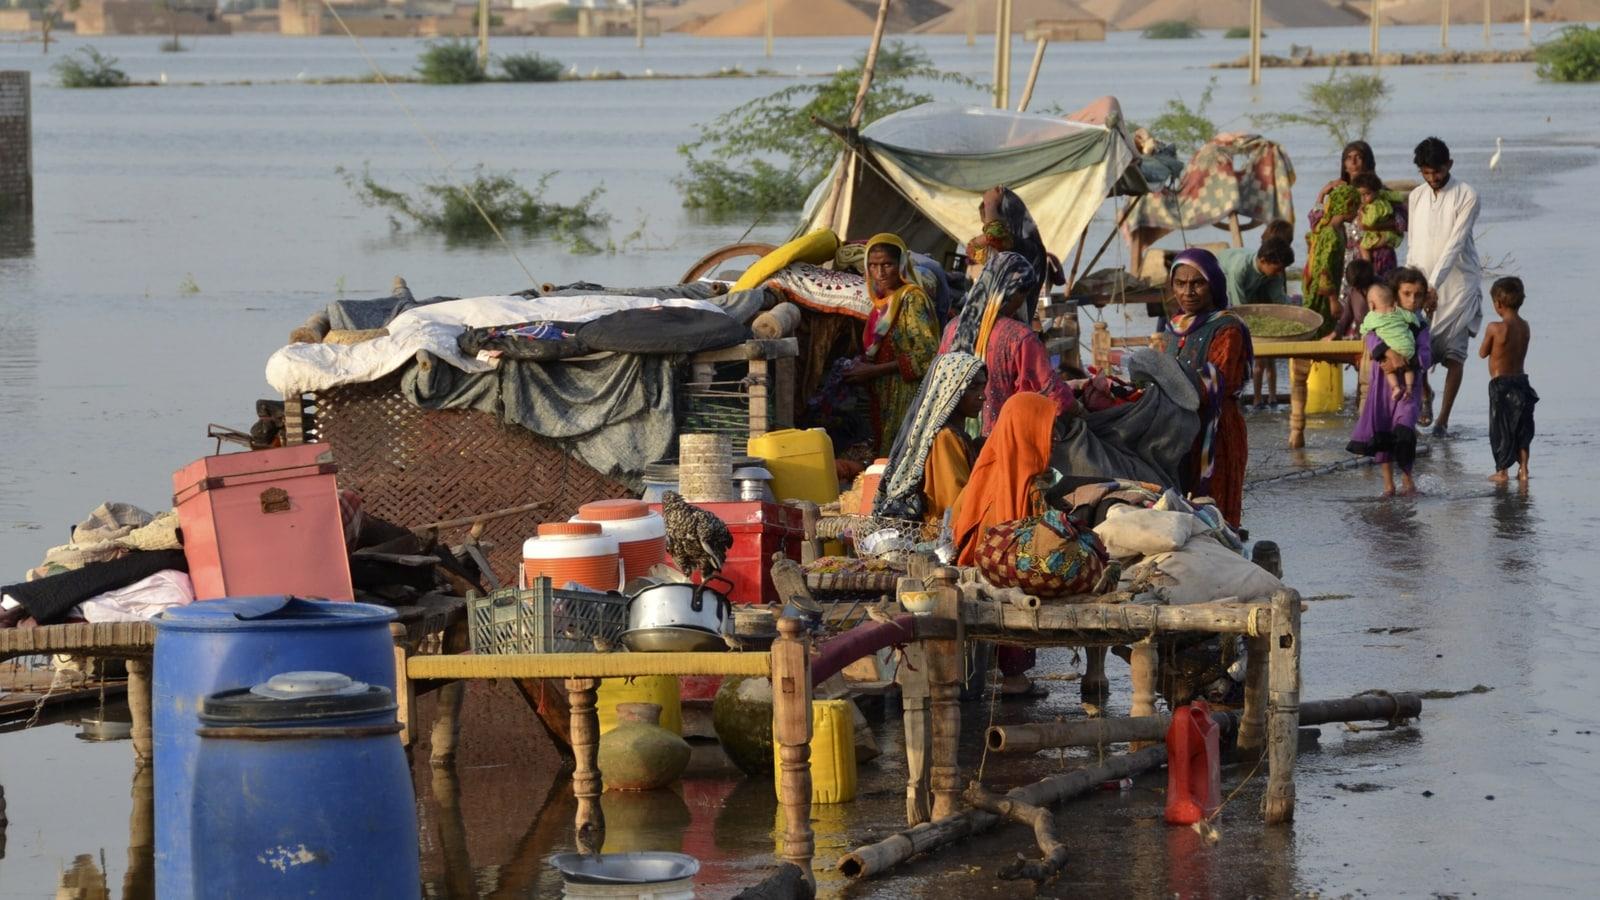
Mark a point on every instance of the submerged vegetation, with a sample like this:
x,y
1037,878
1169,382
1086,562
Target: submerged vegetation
x,y
1572,55
1239,32
450,62
89,68
447,208
766,154
1171,30
530,67
1343,106
1184,127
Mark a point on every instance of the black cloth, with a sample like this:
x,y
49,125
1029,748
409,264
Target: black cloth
x,y
1400,444
514,346
51,599
662,329
1511,401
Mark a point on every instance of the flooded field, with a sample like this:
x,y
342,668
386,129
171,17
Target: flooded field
x,y
182,231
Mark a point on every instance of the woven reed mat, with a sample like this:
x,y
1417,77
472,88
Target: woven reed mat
x,y
413,466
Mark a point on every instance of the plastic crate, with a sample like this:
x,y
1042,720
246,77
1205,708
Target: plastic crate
x,y
540,619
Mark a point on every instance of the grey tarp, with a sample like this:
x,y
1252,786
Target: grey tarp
x,y
1144,440
614,411
359,315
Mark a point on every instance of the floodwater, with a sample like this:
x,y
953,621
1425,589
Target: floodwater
x,y
182,231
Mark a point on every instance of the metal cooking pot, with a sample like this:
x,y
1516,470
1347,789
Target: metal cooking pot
x,y
682,606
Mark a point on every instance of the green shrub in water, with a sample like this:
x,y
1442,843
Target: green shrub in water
x,y
1572,55
1172,30
450,62
1186,128
89,68
448,208
1344,106
530,67
1239,32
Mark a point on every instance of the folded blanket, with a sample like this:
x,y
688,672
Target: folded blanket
x,y
52,598
823,290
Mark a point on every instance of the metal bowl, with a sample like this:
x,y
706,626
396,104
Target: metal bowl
x,y
625,868
672,639
1309,320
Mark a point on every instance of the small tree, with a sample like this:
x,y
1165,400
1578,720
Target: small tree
x,y
1344,106
1573,54
170,7
48,11
1186,128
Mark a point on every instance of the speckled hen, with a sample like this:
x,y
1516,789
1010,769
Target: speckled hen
x,y
696,538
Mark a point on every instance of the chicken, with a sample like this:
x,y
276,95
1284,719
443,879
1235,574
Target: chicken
x,y
697,539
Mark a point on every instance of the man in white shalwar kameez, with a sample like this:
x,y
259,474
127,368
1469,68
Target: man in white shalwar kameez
x,y
1442,212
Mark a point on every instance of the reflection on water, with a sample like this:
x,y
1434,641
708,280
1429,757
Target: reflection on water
x,y
16,234
84,880
139,882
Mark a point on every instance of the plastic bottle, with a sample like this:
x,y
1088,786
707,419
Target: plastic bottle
x,y
1194,765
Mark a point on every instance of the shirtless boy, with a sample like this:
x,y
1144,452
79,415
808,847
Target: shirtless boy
x,y
1511,397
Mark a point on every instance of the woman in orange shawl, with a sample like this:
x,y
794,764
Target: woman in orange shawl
x,y
1002,489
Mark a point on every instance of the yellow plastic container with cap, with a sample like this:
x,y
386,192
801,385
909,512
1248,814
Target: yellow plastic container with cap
x,y
801,463
1325,388
833,753
662,690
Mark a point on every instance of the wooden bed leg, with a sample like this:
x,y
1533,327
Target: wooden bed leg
x,y
760,387
1143,665
783,392
791,729
139,706
1283,706
405,702
1253,721
591,821
446,735
912,677
1299,373
1094,690
945,664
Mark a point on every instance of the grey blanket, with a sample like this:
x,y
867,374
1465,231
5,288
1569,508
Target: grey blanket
x,y
613,411
1144,441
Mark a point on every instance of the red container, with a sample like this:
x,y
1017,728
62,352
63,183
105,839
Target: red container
x,y
263,522
759,530
1194,765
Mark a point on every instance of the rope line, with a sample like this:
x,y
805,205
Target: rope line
x,y
428,139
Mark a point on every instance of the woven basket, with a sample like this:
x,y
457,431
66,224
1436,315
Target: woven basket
x,y
413,466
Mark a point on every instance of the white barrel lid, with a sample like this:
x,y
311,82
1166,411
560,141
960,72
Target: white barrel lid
x,y
292,685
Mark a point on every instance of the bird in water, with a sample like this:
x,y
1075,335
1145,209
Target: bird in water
x,y
1494,161
696,538
163,78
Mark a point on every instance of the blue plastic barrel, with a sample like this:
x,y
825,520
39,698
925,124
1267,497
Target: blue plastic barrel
x,y
220,645
302,790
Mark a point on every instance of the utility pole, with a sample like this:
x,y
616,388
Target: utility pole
x,y
638,23
1376,24
1487,40
1444,24
1527,20
972,22
1255,42
769,29
483,35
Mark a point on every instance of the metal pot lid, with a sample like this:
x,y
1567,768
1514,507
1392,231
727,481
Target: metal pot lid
x,y
644,867
752,473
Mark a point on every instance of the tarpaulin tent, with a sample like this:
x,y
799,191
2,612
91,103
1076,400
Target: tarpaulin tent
x,y
921,172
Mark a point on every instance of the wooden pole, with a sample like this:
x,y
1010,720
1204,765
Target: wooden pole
x,y
1487,18
483,35
1299,373
1005,56
791,731
999,48
836,192
139,698
944,674
1527,20
591,820
1142,667
972,22
1033,737
875,859
1033,75
768,29
1377,22
638,23
1255,42
1283,706
1253,720
1038,819
1444,24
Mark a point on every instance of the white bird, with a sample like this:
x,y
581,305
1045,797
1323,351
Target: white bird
x,y
649,73
302,76
1494,161
163,78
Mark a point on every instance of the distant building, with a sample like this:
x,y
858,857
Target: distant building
x,y
98,17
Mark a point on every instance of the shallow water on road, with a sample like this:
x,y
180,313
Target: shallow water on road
x,y
109,373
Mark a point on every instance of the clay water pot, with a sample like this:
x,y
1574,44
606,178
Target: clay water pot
x,y
640,755
742,717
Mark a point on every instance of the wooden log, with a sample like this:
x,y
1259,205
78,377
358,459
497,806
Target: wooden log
x,y
912,676
1033,74
945,677
987,620
1043,823
586,780
788,883
875,859
1143,667
777,322
404,700
1299,372
791,731
139,699
1033,737
1283,706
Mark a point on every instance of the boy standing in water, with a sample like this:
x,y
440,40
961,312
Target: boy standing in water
x,y
1511,397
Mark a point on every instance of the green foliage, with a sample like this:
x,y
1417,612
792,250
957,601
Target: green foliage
x,y
188,286
89,68
1572,55
450,62
1184,127
530,67
172,45
1171,30
766,154
1344,106
1238,32
446,208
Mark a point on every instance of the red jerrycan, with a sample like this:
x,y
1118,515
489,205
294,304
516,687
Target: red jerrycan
x,y
1194,765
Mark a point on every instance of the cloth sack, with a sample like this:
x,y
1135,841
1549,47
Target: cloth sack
x,y
1045,556
1137,531
1202,571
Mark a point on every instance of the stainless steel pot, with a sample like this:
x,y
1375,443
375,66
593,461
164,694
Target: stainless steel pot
x,y
699,606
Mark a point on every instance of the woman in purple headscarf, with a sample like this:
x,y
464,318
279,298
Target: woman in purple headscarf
x,y
1215,348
